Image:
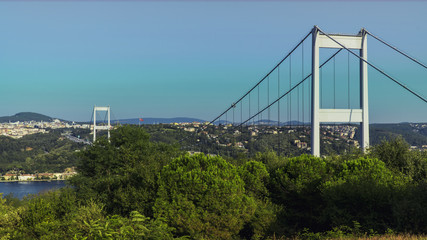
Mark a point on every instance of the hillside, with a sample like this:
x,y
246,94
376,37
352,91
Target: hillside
x,y
26,116
48,152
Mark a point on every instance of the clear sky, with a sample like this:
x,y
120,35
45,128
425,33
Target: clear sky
x,y
188,58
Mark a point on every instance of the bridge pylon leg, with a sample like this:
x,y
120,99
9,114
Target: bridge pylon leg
x,y
364,125
315,124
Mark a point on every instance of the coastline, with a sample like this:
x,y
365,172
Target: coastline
x,y
41,180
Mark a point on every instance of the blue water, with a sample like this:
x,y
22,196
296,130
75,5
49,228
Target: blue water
x,y
21,189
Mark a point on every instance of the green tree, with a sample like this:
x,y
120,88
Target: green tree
x,y
9,218
296,187
396,155
362,190
203,197
256,178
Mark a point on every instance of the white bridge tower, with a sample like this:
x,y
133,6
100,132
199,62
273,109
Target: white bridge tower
x,y
359,115
95,127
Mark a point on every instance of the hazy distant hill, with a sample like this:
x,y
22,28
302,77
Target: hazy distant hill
x,y
26,116
159,120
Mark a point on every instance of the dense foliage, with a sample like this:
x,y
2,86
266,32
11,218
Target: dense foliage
x,y
60,215
122,173
203,197
134,188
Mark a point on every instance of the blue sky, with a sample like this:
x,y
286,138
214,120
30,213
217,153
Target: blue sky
x,y
188,58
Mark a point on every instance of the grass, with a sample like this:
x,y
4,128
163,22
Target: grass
x,y
392,237
379,237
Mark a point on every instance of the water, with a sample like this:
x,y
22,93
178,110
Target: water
x,y
21,189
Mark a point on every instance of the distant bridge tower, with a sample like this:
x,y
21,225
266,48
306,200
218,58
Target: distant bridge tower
x,y
359,115
95,127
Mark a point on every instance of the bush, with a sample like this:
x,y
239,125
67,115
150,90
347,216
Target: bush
x,y
47,216
410,209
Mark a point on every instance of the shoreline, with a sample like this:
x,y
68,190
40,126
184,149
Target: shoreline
x,y
41,180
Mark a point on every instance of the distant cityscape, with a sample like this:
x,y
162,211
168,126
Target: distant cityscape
x,y
19,129
346,132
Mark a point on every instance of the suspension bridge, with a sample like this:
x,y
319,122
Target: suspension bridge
x,y
295,93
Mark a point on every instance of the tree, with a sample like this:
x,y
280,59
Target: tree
x,y
256,178
203,197
122,173
397,156
394,153
362,190
296,187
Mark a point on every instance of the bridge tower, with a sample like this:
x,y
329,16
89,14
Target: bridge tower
x,y
360,115
95,127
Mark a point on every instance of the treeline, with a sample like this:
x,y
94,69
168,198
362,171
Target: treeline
x,y
134,188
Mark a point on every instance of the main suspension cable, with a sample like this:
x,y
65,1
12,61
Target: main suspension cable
x,y
268,74
348,79
302,74
396,49
278,111
290,96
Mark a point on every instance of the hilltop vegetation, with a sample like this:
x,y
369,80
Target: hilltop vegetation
x,y
26,116
134,188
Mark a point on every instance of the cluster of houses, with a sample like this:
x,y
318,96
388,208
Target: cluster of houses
x,y
35,177
20,129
